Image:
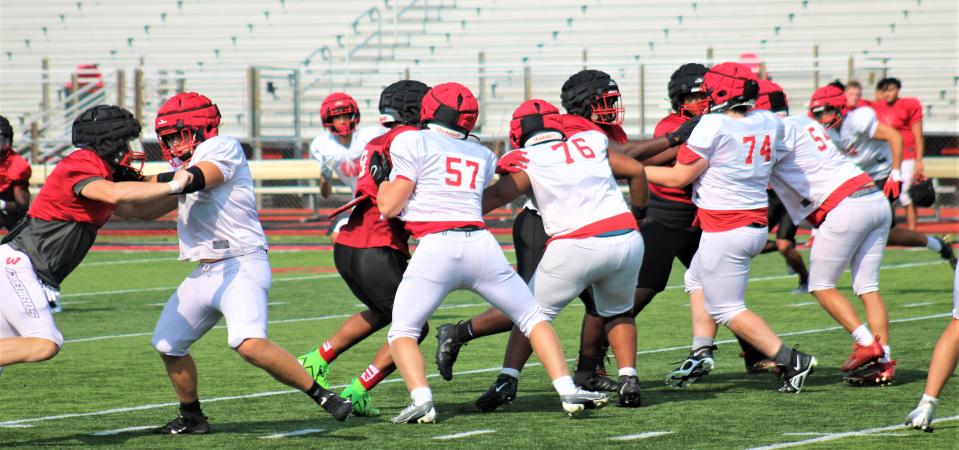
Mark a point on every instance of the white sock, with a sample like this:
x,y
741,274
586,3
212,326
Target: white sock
x,y
885,357
863,336
511,372
926,398
564,385
627,371
421,395
702,341
933,244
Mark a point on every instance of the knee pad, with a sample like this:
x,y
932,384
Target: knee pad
x,y
164,347
723,314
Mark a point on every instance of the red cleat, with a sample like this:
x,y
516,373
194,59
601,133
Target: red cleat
x,y
878,374
862,355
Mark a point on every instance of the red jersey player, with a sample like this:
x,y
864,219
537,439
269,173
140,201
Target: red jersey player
x,y
14,179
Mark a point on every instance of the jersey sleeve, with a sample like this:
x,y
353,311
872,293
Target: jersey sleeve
x,y
80,169
913,112
865,121
21,176
405,152
667,125
226,154
703,139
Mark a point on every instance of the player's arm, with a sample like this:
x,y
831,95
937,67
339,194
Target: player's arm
x,y
646,149
20,202
894,138
676,176
626,167
506,189
663,158
392,196
105,191
920,147
147,210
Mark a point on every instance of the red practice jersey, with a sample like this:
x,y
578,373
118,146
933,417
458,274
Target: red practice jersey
x,y
901,115
682,195
14,171
57,200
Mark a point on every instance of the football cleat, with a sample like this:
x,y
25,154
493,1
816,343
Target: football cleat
x,y
447,349
502,392
424,413
802,288
337,406
947,253
878,374
862,355
757,363
629,396
697,365
921,418
800,366
359,397
582,400
594,381
185,425
316,366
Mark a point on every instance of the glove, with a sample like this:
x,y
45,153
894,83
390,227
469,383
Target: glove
x,y
380,168
682,133
639,212
893,185
512,162
326,171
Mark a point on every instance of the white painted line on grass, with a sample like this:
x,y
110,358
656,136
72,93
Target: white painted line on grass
x,y
275,303
646,435
801,304
916,305
293,433
123,430
835,436
15,425
462,435
400,380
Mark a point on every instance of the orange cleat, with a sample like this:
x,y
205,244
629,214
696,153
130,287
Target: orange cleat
x,y
862,355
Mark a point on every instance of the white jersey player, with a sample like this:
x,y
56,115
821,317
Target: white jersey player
x,y
594,240
436,186
218,227
729,157
817,183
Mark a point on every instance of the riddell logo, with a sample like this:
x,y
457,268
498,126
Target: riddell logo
x,y
11,260
161,122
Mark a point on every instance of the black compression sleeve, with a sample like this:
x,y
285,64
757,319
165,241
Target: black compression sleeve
x,y
198,182
164,177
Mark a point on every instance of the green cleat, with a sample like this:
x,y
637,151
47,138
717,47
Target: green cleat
x,y
360,398
316,366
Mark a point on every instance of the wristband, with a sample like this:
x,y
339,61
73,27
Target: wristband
x,y
895,175
175,187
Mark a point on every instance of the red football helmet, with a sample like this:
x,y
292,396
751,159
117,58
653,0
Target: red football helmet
x,y
338,104
185,120
828,99
729,85
452,106
772,97
534,117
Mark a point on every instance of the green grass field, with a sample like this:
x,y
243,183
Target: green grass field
x,y
108,378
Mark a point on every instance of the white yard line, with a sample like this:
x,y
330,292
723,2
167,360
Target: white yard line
x,y
646,435
293,433
798,305
462,435
123,430
15,425
916,305
11,423
835,436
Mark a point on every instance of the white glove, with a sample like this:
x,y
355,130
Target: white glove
x,y
921,417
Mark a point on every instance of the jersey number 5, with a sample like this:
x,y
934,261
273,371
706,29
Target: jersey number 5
x,y
820,140
580,145
454,170
765,150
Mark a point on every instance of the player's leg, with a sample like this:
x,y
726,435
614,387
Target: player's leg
x,y
904,237
700,361
30,332
786,245
944,358
908,169
663,244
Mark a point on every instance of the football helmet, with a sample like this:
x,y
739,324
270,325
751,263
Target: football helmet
x,y
594,95
686,80
533,122
6,137
452,106
729,85
400,102
830,98
110,131
772,98
183,122
338,104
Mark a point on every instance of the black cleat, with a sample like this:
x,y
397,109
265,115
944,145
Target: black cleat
x,y
185,425
337,406
594,381
629,396
947,253
447,349
502,392
800,366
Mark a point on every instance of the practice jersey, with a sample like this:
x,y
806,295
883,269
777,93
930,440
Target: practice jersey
x,y
574,185
345,161
14,171
901,115
854,139
220,222
450,175
681,195
809,167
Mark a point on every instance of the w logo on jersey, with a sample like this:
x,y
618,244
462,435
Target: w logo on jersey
x,y
351,168
12,260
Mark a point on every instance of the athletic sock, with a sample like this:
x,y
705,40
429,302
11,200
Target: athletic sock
x,y
564,385
933,244
627,371
885,357
863,336
509,371
191,409
371,377
702,341
464,331
327,352
783,355
421,395
316,392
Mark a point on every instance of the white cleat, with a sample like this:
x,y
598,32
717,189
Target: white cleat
x,y
582,400
424,413
921,417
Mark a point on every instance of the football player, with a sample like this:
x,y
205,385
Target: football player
x,y
371,255
14,179
943,364
587,221
218,227
435,186
339,150
905,115
85,188
877,149
817,183
729,158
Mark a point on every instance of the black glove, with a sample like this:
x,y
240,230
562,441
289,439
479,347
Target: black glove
x,y
126,173
639,212
380,168
682,133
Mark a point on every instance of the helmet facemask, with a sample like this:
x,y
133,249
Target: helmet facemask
x,y
607,110
178,144
829,116
694,104
341,128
